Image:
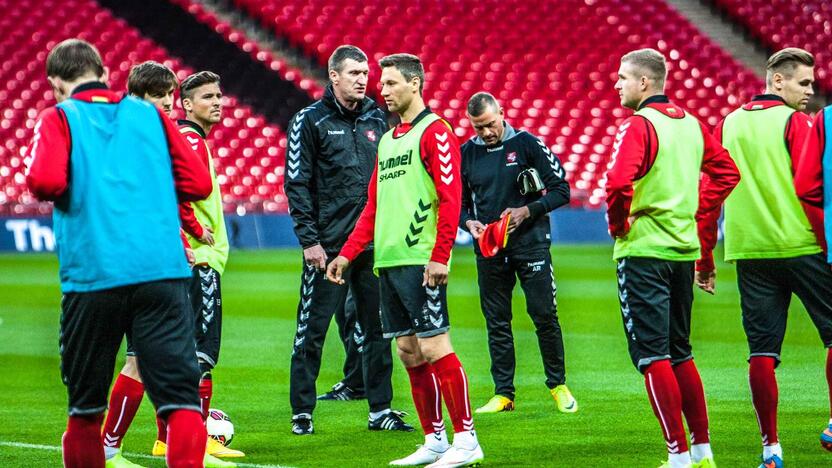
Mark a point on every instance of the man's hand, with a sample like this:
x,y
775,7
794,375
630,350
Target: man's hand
x,y
315,256
189,254
518,215
475,227
436,274
706,280
336,269
207,235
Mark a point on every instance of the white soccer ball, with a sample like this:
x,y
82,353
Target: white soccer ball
x,y
219,426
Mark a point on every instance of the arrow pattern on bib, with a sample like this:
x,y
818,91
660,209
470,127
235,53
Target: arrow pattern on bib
x,y
418,223
445,164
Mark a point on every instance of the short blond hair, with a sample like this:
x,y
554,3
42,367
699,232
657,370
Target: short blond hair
x,y
785,61
650,62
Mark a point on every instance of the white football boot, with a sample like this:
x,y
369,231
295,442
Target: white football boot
x,y
465,451
436,445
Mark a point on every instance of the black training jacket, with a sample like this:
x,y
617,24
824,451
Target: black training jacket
x,y
330,157
489,186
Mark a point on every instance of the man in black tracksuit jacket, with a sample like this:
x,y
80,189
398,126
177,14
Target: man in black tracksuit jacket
x,y
491,164
331,154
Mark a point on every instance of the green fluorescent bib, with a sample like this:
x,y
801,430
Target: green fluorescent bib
x,y
763,216
666,199
407,204
209,213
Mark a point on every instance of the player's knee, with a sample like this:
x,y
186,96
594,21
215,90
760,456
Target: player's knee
x,y
436,347
407,347
131,368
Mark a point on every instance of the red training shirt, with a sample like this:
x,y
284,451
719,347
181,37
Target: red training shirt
x,y
633,154
448,189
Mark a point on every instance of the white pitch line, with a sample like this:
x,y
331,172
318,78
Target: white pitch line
x,y
55,448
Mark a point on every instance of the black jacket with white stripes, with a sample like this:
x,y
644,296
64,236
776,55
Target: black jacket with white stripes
x,y
330,157
489,186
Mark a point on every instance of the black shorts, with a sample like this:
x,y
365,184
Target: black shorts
x,y
407,307
766,288
206,299
160,319
656,299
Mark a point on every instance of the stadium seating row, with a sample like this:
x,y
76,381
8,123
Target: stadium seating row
x,y
789,23
554,77
249,151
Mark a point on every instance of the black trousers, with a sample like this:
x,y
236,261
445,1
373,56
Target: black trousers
x,y
161,323
319,299
497,277
656,298
353,338
766,287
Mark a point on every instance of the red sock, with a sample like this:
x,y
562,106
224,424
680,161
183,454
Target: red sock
x,y
764,395
666,399
206,390
829,377
186,439
693,401
82,442
161,429
424,386
454,384
124,403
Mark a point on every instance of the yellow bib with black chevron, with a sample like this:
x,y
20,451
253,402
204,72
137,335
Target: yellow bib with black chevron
x,y
406,200
209,213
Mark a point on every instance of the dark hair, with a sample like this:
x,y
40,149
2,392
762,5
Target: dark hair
x,y
73,58
196,80
480,102
342,53
785,61
151,78
651,62
408,65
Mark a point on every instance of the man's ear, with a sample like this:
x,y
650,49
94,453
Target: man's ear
x,y
105,76
777,80
58,87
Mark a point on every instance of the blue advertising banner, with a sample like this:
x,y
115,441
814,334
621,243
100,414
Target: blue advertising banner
x,y
273,231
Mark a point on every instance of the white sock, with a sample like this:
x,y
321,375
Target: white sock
x,y
773,449
830,421
110,452
699,452
377,414
466,440
679,460
437,441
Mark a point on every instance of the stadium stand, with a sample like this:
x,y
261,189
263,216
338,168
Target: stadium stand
x,y
240,38
547,84
789,23
249,152
552,64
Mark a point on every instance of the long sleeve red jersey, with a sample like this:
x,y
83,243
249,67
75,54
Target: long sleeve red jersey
x,y
808,178
633,154
448,189
48,172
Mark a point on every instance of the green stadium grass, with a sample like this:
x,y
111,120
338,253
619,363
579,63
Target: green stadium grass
x,y
614,427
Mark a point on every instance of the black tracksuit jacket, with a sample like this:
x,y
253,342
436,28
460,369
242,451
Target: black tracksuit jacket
x,y
330,157
489,186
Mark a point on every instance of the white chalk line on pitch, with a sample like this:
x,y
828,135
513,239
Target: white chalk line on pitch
x,y
55,448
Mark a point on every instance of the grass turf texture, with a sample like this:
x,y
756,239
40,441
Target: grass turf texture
x,y
614,427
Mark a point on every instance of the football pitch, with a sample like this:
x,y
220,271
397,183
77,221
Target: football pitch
x,y
614,426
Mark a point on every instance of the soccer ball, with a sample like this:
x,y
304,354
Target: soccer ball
x,y
219,426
